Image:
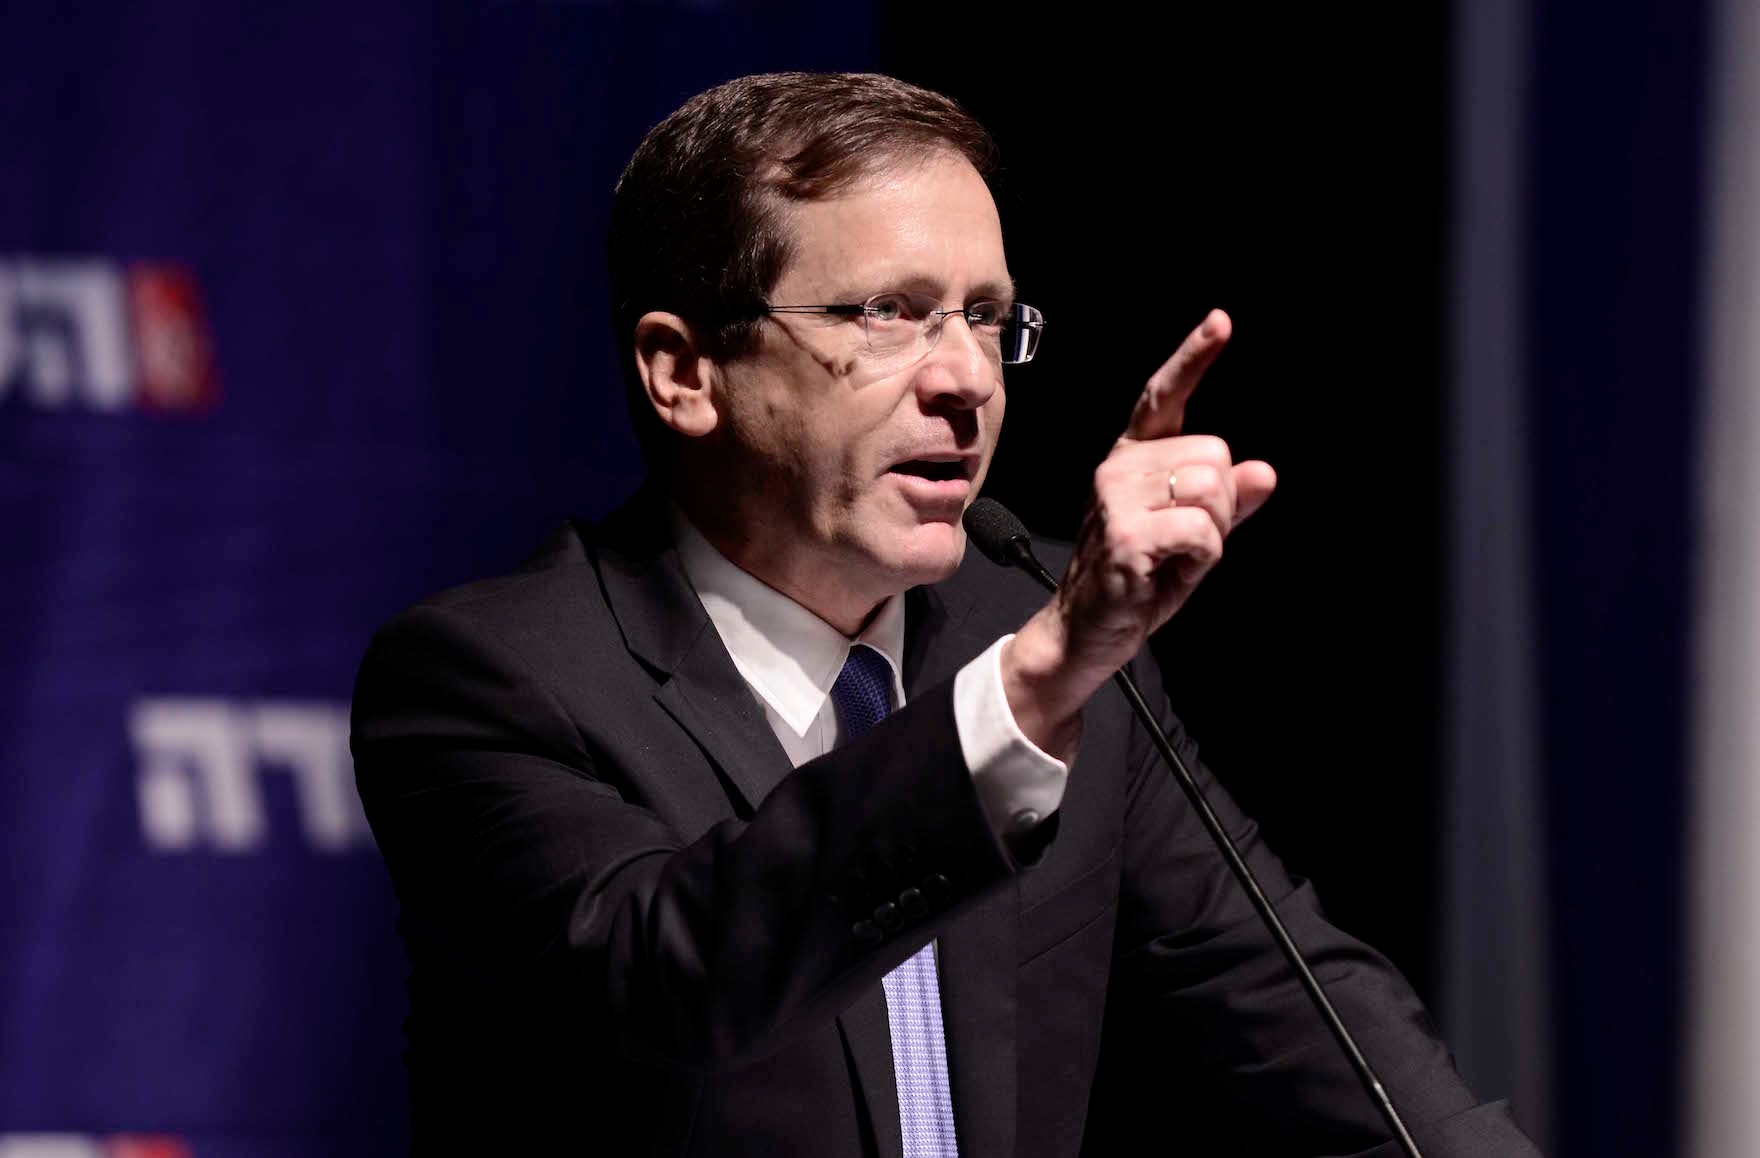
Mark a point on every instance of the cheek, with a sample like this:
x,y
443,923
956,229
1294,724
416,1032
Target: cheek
x,y
765,425
992,412
990,432
854,433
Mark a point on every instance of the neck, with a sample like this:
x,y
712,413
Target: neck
x,y
771,554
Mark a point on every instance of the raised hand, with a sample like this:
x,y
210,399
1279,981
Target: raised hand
x,y
1163,503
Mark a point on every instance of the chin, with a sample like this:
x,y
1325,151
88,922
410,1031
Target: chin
x,y
927,553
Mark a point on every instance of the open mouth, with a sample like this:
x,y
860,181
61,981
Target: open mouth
x,y
933,470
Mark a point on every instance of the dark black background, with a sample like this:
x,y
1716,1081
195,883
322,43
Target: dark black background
x,y
1288,167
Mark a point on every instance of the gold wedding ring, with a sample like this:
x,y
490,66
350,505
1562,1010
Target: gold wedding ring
x,y
1172,496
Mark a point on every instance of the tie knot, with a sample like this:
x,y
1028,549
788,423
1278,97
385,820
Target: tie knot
x,y
863,691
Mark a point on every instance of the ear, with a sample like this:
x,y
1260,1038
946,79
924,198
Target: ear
x,y
679,379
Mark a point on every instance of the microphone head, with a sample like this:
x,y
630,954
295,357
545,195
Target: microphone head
x,y
996,532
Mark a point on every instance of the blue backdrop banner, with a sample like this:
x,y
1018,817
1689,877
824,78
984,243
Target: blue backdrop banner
x,y
302,317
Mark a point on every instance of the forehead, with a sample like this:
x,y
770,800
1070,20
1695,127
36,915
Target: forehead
x,y
927,225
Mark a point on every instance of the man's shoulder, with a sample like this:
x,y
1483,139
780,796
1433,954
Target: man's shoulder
x,y
563,571
553,596
562,563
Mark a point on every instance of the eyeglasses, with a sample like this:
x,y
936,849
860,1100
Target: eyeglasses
x,y
909,324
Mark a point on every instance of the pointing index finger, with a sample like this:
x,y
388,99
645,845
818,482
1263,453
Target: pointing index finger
x,y
1161,409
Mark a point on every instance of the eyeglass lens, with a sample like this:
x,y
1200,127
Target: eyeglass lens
x,y
1008,333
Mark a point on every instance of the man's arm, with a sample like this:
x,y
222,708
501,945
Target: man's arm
x,y
1201,1001
521,864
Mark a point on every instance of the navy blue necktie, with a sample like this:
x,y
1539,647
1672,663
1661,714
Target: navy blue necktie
x,y
863,697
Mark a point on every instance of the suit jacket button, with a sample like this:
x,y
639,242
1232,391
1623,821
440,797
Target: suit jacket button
x,y
913,904
866,931
887,916
935,887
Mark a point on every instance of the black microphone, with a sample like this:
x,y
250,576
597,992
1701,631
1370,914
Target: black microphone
x,y
1004,541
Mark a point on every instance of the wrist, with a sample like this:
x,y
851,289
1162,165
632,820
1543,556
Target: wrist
x,y
1036,678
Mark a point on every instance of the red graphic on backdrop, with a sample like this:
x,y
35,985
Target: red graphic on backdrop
x,y
94,335
145,1146
174,357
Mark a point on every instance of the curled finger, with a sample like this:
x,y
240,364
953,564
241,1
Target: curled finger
x,y
1202,486
1254,482
1187,536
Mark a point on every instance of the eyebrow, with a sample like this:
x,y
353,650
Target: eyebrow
x,y
989,289
993,290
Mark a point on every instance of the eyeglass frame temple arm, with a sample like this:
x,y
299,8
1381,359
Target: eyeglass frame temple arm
x,y
852,309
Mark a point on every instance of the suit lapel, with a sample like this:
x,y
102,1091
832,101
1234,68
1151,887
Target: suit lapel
x,y
665,626
932,652
712,702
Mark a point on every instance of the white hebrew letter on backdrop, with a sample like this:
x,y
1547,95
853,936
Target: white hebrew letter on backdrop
x,y
50,1146
311,742
194,774
73,326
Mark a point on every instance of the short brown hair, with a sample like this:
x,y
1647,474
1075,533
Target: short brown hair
x,y
694,222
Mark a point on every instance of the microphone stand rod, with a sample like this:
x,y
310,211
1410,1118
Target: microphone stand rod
x,y
1024,558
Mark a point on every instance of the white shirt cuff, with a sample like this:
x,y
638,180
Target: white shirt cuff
x,y
1018,784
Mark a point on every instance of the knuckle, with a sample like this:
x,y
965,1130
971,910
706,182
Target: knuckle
x,y
1201,538
1210,543
1201,478
1188,520
1212,449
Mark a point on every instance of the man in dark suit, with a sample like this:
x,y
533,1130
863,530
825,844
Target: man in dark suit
x,y
759,819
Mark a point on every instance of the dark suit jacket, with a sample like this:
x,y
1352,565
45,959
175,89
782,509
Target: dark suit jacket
x,y
635,929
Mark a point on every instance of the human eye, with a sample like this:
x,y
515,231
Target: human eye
x,y
887,308
899,307
987,315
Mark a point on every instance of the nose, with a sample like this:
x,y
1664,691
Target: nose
x,y
957,372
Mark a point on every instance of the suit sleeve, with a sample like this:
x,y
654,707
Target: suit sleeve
x,y
528,877
1206,1015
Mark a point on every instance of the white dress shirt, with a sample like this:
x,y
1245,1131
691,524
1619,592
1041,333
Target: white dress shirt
x,y
791,657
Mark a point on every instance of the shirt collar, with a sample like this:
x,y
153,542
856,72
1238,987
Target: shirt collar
x,y
787,654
